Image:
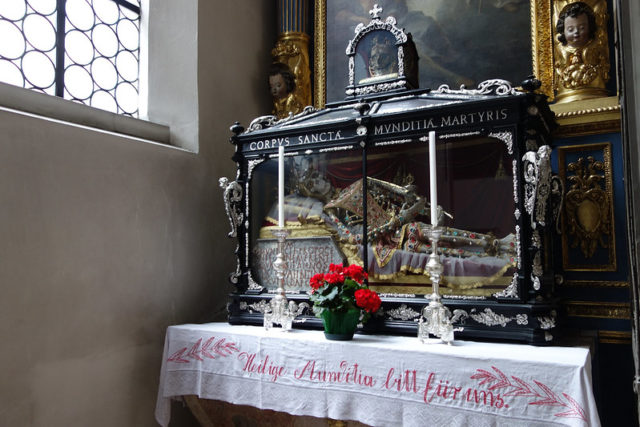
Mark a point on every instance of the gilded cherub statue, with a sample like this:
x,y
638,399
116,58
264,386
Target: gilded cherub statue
x,y
581,51
282,84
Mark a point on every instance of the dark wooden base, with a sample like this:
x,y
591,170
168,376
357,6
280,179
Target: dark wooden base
x,y
482,320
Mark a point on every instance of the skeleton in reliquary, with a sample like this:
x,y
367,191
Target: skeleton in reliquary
x,y
397,230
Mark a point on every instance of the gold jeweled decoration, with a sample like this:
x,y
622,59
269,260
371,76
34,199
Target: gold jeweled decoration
x,y
581,49
588,212
292,50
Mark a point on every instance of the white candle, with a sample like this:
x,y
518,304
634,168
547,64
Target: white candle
x,y
281,186
433,179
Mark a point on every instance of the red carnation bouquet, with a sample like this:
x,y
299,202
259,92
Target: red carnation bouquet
x,y
342,289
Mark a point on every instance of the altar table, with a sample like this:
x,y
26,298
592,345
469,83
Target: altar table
x,y
378,380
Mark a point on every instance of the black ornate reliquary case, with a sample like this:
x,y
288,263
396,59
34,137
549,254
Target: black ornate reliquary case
x,y
494,188
357,189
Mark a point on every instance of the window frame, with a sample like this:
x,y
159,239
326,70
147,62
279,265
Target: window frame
x,y
61,60
173,33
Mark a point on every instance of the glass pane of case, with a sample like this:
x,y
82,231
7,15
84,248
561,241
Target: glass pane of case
x,y
317,238
324,215
476,207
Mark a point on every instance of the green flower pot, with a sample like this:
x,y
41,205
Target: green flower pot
x,y
340,326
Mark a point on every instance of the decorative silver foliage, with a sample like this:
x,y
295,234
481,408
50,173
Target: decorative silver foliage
x,y
487,87
506,137
537,178
547,322
536,282
510,291
490,318
232,196
403,313
261,122
381,87
522,319
459,315
260,306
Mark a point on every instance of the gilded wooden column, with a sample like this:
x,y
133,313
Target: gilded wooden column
x,y
291,57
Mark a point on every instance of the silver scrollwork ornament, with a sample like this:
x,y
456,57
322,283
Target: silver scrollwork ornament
x,y
537,179
232,195
487,87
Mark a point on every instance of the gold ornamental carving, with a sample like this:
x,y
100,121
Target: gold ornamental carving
x,y
588,223
600,309
320,53
596,283
542,45
587,206
587,117
614,337
581,49
292,51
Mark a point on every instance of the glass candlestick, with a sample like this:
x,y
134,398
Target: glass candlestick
x,y
280,311
436,318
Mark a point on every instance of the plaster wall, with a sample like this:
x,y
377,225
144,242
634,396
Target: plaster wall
x,y
105,239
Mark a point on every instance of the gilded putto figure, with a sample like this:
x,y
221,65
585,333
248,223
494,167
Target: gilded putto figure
x,y
581,50
289,77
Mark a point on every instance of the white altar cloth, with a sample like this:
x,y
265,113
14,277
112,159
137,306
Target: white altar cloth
x,y
378,380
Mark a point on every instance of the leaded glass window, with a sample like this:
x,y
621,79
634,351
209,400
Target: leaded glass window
x,y
83,50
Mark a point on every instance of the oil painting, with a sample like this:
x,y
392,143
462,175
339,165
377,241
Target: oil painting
x,y
459,42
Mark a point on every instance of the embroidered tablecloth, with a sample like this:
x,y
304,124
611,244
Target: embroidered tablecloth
x,y
378,380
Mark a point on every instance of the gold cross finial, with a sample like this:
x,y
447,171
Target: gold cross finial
x,y
375,11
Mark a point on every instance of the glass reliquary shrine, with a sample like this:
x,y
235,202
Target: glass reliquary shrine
x,y
357,191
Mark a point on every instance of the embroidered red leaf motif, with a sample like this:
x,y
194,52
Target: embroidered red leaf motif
x,y
503,382
195,350
576,410
232,346
221,348
205,348
522,389
485,376
552,399
177,356
224,349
